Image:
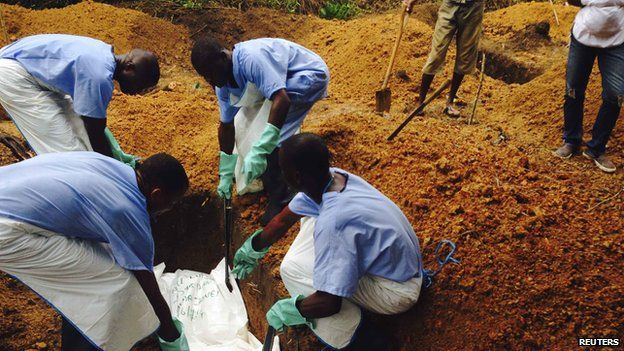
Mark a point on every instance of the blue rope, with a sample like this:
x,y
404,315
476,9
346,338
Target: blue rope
x,y
428,274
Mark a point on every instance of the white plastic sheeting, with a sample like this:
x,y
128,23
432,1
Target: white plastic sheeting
x,y
214,318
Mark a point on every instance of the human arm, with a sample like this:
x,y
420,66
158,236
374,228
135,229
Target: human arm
x,y
276,229
597,3
147,281
226,135
279,108
95,130
298,310
248,256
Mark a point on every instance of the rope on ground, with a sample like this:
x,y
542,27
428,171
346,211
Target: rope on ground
x,y
606,200
428,274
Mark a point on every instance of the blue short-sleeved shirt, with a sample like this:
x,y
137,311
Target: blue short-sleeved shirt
x,y
359,231
84,195
80,67
274,64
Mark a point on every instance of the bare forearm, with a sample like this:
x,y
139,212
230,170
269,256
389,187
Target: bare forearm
x,y
279,109
148,283
95,130
227,137
276,229
319,305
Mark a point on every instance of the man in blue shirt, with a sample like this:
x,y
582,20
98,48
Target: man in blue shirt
x,y
286,73
75,228
56,88
360,252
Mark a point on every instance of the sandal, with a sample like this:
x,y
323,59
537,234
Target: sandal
x,y
451,111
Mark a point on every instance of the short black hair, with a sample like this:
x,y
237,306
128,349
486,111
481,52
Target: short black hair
x,y
307,153
150,69
205,50
164,171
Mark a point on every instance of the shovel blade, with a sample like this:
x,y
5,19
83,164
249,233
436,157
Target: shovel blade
x,y
383,99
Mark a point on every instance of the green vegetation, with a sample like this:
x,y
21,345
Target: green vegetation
x,y
339,9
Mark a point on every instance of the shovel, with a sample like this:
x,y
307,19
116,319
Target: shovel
x,y
268,339
383,97
227,210
419,109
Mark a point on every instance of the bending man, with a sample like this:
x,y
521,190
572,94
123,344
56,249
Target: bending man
x,y
75,228
56,88
292,77
359,251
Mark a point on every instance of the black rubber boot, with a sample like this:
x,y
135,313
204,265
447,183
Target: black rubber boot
x,y
72,340
369,337
276,188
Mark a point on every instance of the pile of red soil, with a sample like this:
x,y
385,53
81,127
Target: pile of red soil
x,y
541,252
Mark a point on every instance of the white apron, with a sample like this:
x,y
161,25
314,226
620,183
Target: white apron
x,y
45,117
375,294
249,123
80,279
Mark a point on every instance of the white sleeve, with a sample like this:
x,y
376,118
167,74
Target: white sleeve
x,y
603,3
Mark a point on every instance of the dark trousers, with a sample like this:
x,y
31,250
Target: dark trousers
x,y
580,63
72,340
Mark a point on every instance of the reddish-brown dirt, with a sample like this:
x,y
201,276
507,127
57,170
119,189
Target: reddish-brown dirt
x,y
540,239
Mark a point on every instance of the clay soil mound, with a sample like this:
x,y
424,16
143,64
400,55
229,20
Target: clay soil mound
x,y
539,239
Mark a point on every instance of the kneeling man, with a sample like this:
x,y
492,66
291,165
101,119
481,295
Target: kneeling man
x,y
355,249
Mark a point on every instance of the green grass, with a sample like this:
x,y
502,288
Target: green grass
x,y
339,9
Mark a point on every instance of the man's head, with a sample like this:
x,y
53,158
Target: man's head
x,y
162,180
304,159
137,71
212,61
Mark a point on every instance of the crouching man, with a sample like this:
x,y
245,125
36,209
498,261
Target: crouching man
x,y
75,228
356,249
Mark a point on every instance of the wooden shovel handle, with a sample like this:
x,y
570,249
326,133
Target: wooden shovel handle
x,y
404,16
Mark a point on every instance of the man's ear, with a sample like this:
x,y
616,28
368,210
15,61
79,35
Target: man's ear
x,y
129,66
156,195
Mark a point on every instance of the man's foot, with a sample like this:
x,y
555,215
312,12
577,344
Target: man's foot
x,y
566,151
601,161
451,111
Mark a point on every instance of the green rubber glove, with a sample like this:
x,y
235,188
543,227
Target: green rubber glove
x,y
255,162
285,313
227,164
118,154
177,345
246,258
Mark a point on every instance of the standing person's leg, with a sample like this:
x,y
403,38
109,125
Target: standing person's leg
x,y
444,31
72,339
45,118
580,63
470,20
611,63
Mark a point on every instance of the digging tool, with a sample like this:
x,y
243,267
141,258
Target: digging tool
x,y
555,11
420,108
383,97
476,100
227,210
268,339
